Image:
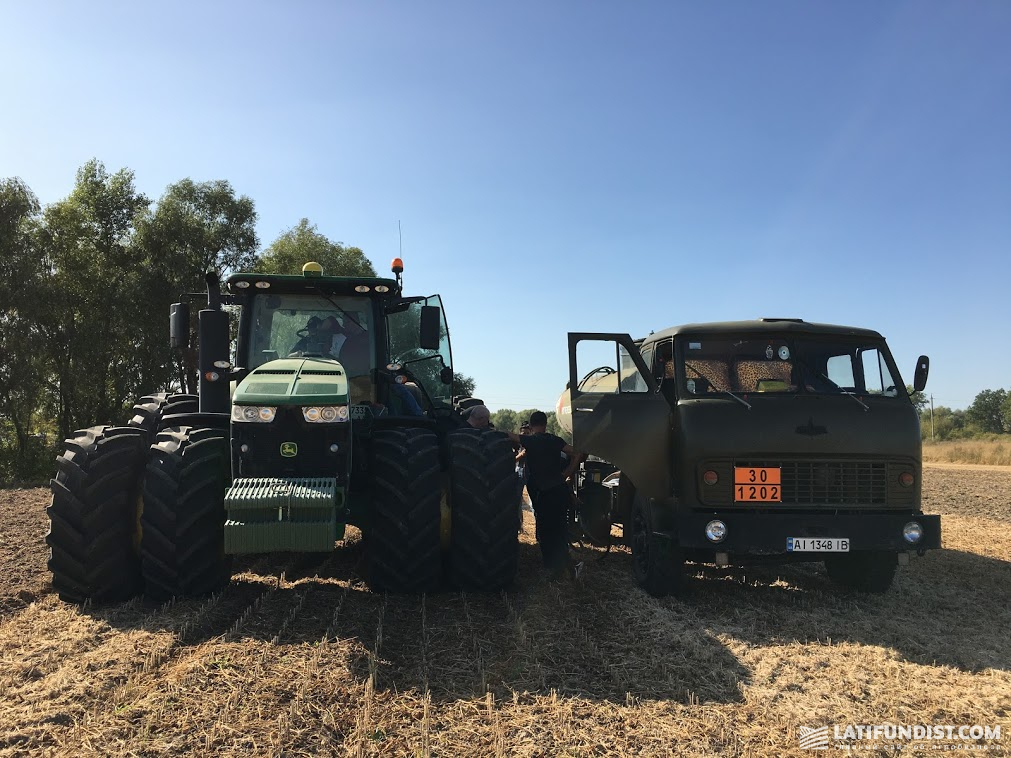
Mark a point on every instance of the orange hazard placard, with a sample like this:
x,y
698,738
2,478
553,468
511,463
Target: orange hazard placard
x,y
752,484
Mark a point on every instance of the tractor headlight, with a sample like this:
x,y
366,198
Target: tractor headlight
x,y
253,414
325,414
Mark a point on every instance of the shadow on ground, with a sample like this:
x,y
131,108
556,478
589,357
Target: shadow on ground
x,y
601,638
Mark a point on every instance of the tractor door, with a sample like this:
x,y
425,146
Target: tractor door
x,y
617,412
404,325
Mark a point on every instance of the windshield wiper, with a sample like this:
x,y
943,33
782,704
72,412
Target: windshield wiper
x,y
854,396
335,305
741,400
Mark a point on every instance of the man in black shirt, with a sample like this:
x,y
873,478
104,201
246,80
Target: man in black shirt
x,y
548,490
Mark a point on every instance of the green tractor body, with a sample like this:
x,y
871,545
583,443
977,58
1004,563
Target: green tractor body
x,y
329,405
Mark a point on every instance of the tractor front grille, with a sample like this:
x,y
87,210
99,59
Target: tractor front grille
x,y
313,456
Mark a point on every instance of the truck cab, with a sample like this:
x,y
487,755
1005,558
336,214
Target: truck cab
x,y
772,440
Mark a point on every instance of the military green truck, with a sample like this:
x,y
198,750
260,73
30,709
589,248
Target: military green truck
x,y
773,440
330,405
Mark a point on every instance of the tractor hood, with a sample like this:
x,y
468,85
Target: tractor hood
x,y
294,381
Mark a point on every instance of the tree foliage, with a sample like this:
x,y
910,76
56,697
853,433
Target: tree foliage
x,y
988,412
303,243
22,364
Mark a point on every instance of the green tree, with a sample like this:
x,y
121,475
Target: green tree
x,y
93,316
505,420
463,385
196,227
303,243
22,362
987,412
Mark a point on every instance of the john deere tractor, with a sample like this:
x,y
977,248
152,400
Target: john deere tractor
x,y
330,406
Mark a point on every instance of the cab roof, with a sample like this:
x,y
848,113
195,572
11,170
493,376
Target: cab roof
x,y
289,283
764,327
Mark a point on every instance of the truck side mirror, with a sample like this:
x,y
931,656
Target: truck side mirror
x,y
446,375
179,325
920,376
431,327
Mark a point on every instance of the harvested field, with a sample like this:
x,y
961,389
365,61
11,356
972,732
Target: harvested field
x,y
292,662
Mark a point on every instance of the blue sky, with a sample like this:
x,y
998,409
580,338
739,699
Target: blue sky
x,y
580,166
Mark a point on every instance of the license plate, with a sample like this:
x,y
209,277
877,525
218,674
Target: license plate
x,y
757,485
817,545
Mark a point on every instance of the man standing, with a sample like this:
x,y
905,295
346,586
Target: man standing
x,y
546,483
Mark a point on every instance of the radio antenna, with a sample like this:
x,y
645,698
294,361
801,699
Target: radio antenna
x,y
400,233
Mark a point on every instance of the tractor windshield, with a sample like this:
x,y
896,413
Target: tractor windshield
x,y
815,365
294,324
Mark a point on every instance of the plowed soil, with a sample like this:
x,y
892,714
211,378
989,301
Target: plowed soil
x,y
289,661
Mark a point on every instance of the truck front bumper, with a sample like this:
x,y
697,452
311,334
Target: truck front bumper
x,y
767,533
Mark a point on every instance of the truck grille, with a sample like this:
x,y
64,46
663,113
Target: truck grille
x,y
837,483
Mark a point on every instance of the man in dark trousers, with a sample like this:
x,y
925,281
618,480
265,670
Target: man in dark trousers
x,y
549,493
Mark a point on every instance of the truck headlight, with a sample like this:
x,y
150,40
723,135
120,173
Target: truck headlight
x,y
912,532
325,414
254,414
716,531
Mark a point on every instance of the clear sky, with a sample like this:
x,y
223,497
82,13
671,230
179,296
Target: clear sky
x,y
583,166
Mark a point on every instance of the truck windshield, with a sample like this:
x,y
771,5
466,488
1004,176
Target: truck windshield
x,y
811,364
293,324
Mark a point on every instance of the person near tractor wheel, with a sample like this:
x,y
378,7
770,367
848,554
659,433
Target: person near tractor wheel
x,y
549,493
479,417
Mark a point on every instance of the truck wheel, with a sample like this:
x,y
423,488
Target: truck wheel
x,y
656,563
484,549
403,534
865,572
93,516
182,539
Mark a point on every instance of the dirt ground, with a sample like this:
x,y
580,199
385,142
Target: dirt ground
x,y
289,662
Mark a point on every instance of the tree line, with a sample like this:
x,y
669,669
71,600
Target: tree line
x,y
508,420
85,288
989,414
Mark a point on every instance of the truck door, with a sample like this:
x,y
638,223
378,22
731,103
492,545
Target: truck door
x,y
617,412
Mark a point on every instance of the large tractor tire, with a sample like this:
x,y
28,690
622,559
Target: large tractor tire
x,y
403,536
182,524
864,572
657,563
93,518
484,549
151,409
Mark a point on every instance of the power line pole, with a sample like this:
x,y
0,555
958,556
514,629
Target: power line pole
x,y
932,417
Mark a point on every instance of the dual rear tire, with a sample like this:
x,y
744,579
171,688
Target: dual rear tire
x,y
98,551
404,538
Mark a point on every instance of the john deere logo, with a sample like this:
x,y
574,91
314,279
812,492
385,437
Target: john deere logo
x,y
289,449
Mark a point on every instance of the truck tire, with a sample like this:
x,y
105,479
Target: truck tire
x,y
182,524
93,525
484,547
871,571
403,535
656,563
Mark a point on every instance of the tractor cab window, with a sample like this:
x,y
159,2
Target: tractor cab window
x,y
338,327
404,334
